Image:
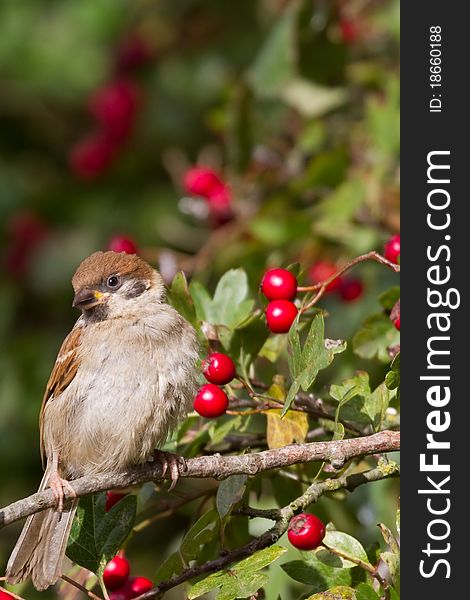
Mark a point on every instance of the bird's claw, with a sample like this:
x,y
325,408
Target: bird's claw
x,y
171,462
58,485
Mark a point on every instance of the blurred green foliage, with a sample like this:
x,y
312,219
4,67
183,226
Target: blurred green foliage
x,y
295,102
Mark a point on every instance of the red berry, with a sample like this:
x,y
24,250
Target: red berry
x,y
113,498
203,181
306,531
280,314
122,594
5,595
26,232
218,368
90,157
349,30
139,585
279,284
351,289
392,249
211,402
323,270
114,107
116,573
397,323
121,243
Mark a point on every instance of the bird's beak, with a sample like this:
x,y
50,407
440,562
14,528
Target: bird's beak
x,y
88,299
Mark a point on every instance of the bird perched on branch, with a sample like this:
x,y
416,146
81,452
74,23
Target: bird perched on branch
x,y
124,376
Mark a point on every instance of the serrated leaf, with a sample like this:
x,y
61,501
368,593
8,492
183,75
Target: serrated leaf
x,y
350,388
376,404
274,65
202,301
345,544
339,592
97,535
229,492
242,579
374,337
315,355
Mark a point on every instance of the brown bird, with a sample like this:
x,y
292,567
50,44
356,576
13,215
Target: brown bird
x,y
123,379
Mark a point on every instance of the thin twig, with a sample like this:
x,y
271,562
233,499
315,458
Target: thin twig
x,y
320,288
81,587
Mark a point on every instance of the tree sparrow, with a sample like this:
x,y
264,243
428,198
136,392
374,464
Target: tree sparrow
x,y
125,375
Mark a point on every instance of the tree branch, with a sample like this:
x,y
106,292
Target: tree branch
x,y
216,466
282,517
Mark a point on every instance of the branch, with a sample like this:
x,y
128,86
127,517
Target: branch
x,y
216,466
321,287
282,517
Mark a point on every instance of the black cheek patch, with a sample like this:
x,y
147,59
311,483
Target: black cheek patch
x,y
96,314
138,288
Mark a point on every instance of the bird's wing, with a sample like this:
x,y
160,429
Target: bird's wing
x,y
63,373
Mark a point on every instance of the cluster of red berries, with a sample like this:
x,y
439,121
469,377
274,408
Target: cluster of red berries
x,y
211,401
206,183
280,287
306,531
348,288
113,108
116,579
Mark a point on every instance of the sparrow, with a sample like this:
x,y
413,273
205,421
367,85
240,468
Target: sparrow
x,y
123,379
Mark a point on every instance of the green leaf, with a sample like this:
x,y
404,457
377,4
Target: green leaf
x,y
274,66
97,535
230,492
392,379
375,336
180,298
390,297
350,388
346,545
241,580
202,301
392,560
376,404
316,574
198,537
340,592
365,592
316,354
219,430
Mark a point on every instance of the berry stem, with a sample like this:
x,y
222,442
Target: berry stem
x,y
321,287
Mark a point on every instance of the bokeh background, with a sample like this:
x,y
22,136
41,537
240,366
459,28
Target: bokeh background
x,y
106,104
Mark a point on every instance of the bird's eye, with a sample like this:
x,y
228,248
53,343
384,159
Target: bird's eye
x,y
113,282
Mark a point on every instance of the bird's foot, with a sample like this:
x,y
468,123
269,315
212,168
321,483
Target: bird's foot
x,y
172,463
58,486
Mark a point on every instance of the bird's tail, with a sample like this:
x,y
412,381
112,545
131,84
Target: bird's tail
x,y
41,546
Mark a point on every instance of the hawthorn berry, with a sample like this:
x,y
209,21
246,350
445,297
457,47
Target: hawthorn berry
x,y
306,531
349,30
323,270
116,573
138,586
211,402
113,498
114,107
392,249
90,157
203,181
351,289
218,368
121,243
279,284
396,322
5,595
280,314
